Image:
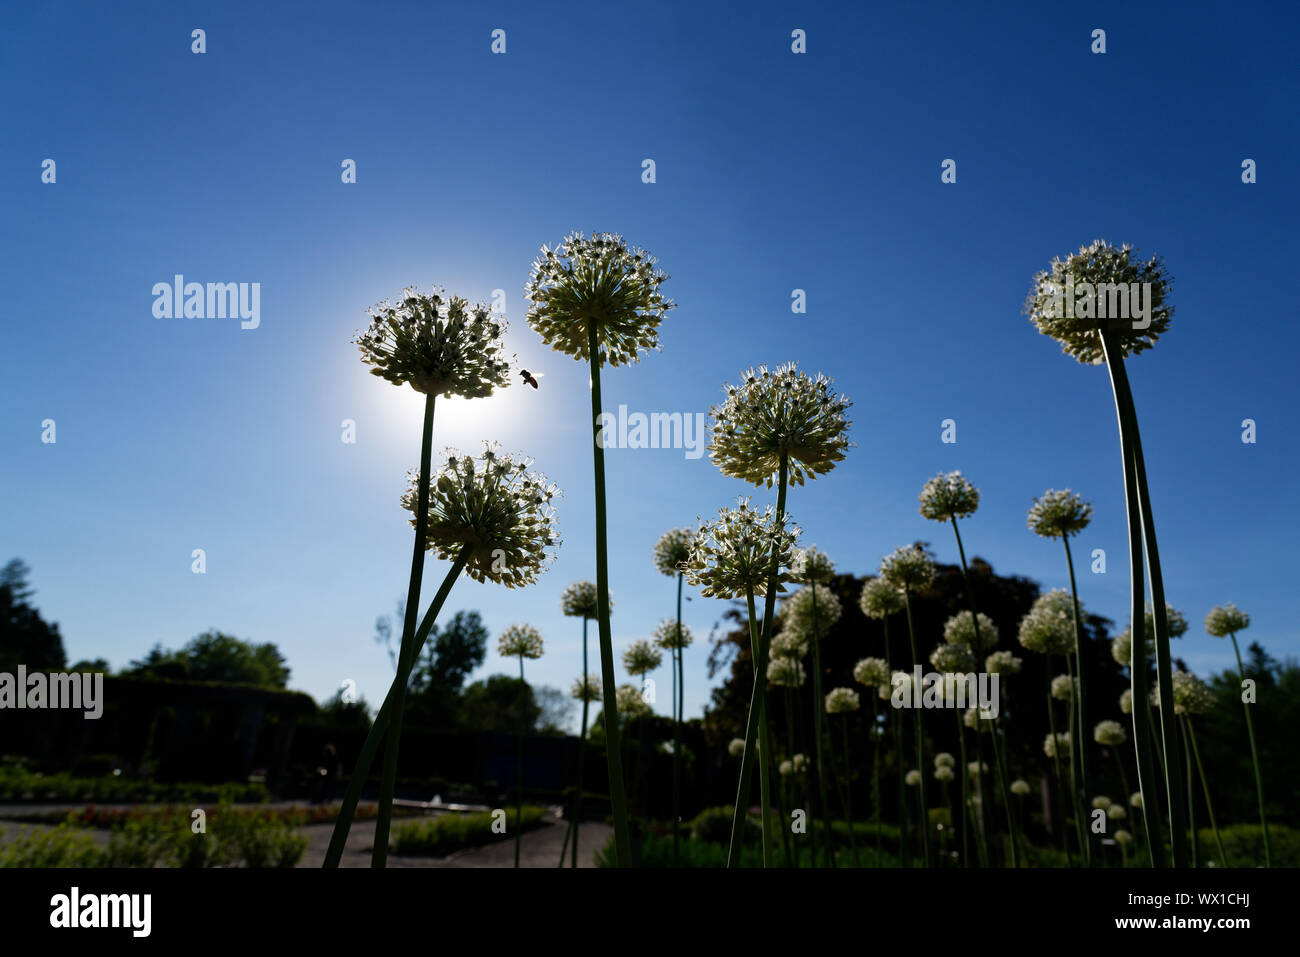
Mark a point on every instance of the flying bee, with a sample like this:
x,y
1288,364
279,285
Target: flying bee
x,y
532,377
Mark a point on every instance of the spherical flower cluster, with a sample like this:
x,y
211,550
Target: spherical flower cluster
x,y
1065,299
1109,734
497,507
1002,663
1225,620
439,345
669,635
587,688
641,658
953,659
797,610
736,747
1135,799
960,630
811,565
913,778
943,774
795,765
1059,514
842,701
579,600
1020,787
1121,648
1101,802
629,701
775,413
522,641
673,550
872,672
1174,619
976,768
602,282
880,599
1191,694
734,552
1116,812
1049,627
1064,687
950,496
789,643
972,718
907,568
944,760
1126,701
1123,837
786,672
1057,745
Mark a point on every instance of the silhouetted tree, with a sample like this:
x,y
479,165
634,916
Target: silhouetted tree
x,y
25,637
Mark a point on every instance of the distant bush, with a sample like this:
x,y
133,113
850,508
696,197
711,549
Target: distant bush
x,y
22,786
439,836
1244,845
62,846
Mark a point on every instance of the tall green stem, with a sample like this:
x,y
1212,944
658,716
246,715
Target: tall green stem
x,y
1205,788
519,767
614,752
1081,744
876,737
895,721
983,813
1056,765
1076,780
819,707
1191,806
920,741
338,840
1254,757
965,793
582,750
1006,790
679,696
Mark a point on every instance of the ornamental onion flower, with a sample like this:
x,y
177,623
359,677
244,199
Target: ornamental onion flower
x,y
1123,837
437,344
778,412
842,701
579,600
1110,734
798,764
950,496
786,672
1048,628
672,550
1057,745
810,565
1135,799
736,747
913,778
586,689
630,702
1225,620
1101,802
1059,514
523,641
1126,701
1116,812
1064,687
880,599
953,659
1002,663
1191,694
498,508
668,635
733,553
1020,787
960,630
976,768
797,611
789,643
872,672
943,773
907,567
944,760
641,657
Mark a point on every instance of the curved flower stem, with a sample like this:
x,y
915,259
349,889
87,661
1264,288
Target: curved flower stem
x,y
975,621
1254,757
966,823
1205,788
1076,780
1191,804
1174,781
613,749
1081,745
1006,792
338,840
679,698
519,767
819,706
920,741
756,726
379,854
1056,764
1142,719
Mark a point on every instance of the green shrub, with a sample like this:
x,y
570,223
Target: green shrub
x,y
1244,845
19,784
439,836
713,826
61,846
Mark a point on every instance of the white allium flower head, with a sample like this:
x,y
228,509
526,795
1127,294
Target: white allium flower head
x,y
1060,747
496,506
1048,628
809,565
842,701
907,567
1058,514
913,778
797,610
673,550
971,717
579,600
1020,787
786,672
880,599
944,760
1109,734
872,672
1121,648
800,762
736,748
949,496
587,688
1191,694
520,641
943,773
1174,618
1126,701
600,281
1116,812
1101,802
669,635
960,630
1098,264
1063,687
641,657
789,643
438,344
976,768
785,768
1123,837
778,411
953,658
630,702
1225,620
1135,799
734,551
1003,663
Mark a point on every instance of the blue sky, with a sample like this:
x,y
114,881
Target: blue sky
x,y
774,171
